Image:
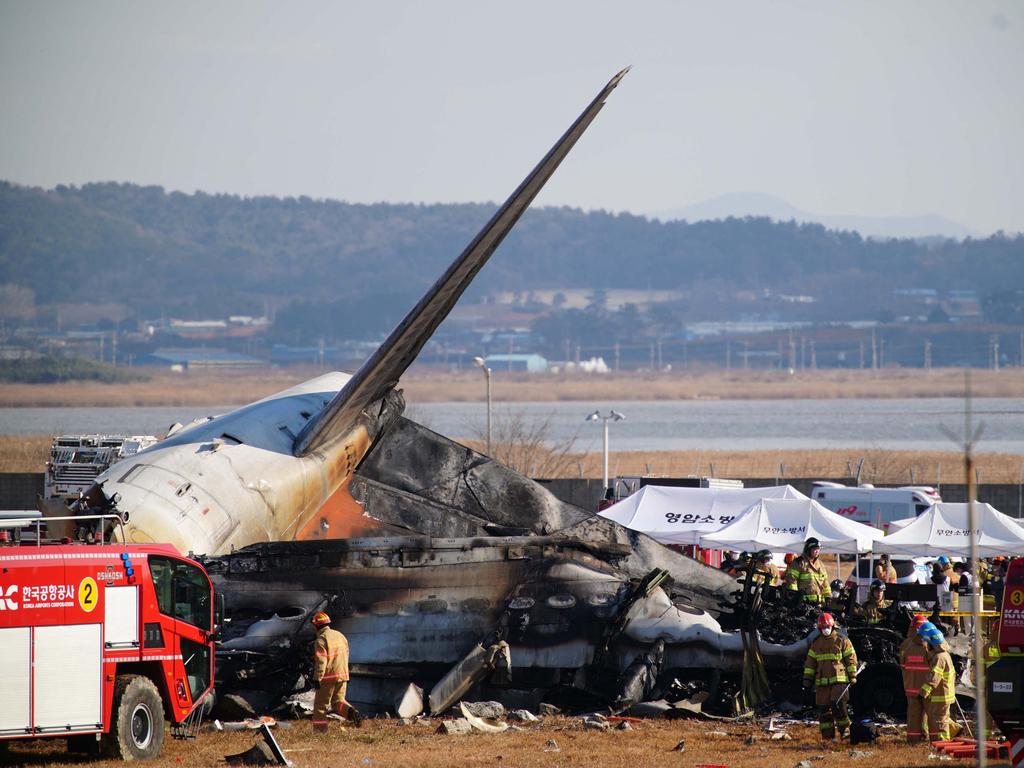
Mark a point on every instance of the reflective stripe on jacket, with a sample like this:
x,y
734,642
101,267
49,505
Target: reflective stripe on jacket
x,y
914,663
830,660
792,576
940,688
813,581
872,611
331,655
992,652
765,574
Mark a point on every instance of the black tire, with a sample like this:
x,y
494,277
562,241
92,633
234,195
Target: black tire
x,y
137,720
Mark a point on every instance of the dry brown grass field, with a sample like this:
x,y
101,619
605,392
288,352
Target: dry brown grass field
x,y
385,744
29,454
427,385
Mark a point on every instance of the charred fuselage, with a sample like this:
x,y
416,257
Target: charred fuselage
x,y
413,606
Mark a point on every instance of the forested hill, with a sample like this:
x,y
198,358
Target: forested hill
x,y
202,255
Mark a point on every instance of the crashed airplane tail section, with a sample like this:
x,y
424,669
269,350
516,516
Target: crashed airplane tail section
x,y
390,360
280,468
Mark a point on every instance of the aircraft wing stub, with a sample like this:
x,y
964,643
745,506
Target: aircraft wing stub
x,y
386,365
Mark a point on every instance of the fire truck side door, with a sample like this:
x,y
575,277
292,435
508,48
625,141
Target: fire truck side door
x,y
184,593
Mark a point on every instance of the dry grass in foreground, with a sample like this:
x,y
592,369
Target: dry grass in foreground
x,y
29,454
649,744
427,385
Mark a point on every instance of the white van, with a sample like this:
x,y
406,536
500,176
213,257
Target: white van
x,y
875,506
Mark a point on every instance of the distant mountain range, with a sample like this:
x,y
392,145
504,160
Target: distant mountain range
x,y
740,204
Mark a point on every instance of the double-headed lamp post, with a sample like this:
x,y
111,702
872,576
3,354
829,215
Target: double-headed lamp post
x,y
612,416
479,362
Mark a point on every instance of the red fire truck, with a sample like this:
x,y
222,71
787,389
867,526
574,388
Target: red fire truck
x,y
101,642
1005,678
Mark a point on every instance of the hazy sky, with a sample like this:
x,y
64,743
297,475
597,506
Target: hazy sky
x,y
869,108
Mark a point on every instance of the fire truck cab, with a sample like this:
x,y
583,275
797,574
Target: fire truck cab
x,y
101,643
1005,678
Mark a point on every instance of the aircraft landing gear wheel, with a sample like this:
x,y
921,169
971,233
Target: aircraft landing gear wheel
x,y
137,727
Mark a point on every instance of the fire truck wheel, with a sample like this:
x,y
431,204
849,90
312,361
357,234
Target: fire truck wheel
x,y
137,725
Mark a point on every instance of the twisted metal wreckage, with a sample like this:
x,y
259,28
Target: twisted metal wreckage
x,y
443,567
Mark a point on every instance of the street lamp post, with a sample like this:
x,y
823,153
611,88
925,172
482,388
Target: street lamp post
x,y
479,362
612,416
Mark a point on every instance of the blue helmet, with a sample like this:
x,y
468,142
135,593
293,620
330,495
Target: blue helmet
x,y
931,634
943,561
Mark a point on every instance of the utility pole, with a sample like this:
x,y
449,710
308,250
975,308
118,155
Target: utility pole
x,y
874,351
792,352
927,355
970,441
862,355
814,356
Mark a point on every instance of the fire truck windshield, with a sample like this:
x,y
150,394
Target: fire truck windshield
x,y
182,591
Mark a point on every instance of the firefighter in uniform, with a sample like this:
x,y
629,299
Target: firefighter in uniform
x,y
740,565
884,571
914,663
764,571
946,568
831,667
812,579
875,608
330,674
939,689
791,577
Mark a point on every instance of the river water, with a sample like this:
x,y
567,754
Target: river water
x,y
912,424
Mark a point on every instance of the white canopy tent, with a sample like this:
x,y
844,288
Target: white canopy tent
x,y
783,525
899,525
942,530
681,515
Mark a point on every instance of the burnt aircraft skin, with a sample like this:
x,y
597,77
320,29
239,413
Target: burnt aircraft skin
x,y
412,607
425,482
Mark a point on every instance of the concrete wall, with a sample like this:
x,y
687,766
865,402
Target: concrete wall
x,y
20,490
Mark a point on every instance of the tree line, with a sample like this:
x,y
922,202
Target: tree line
x,y
322,263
